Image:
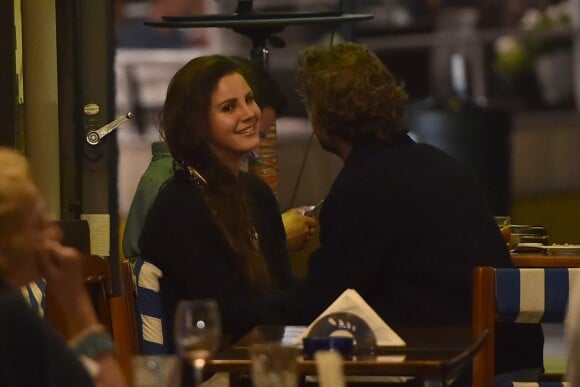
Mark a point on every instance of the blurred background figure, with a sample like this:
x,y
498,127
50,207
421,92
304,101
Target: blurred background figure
x,y
32,353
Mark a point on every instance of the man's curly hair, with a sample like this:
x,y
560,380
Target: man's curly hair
x,y
350,92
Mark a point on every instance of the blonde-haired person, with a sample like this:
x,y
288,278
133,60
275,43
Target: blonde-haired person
x,y
31,352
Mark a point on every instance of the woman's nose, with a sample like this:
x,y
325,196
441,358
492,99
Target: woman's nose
x,y
250,112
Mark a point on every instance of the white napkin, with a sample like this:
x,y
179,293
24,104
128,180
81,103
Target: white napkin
x,y
351,302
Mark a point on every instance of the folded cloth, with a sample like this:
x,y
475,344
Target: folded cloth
x,y
351,303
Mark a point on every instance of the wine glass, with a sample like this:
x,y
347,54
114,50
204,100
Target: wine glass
x,y
197,333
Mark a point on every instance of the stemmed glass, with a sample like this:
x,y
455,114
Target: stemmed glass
x,y
197,333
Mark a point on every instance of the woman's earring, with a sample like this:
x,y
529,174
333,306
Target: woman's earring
x,y
197,176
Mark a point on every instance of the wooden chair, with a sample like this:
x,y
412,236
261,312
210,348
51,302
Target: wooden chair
x,y
138,326
116,313
76,233
124,323
495,300
96,271
98,281
544,261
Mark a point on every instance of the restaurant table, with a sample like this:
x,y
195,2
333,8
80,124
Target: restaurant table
x,y
432,354
542,260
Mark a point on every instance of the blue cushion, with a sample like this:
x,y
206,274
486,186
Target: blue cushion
x,y
507,383
533,295
35,294
149,308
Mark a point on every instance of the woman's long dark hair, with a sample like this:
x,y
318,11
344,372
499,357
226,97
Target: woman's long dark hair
x,y
185,124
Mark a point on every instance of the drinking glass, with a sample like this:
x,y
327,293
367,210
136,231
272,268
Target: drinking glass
x,y
505,227
504,224
273,365
197,333
156,370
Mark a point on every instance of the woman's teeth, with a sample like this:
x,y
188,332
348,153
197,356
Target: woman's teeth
x,y
249,130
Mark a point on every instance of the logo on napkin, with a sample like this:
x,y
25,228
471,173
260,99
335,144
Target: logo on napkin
x,y
338,314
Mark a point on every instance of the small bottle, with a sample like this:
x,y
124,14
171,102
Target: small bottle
x,y
265,162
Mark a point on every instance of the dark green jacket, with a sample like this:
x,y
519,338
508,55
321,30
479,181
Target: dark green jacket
x,y
159,170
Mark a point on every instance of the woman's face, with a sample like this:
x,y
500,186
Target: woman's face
x,y
30,241
233,118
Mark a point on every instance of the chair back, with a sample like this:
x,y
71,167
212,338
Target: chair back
x,y
506,383
530,295
533,295
123,316
98,281
150,312
76,233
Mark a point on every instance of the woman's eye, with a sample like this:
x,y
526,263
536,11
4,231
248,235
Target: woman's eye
x,y
228,108
250,99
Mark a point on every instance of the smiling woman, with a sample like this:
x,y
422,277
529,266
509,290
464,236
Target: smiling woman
x,y
214,231
234,117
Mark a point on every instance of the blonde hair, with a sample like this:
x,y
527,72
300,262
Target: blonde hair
x,y
17,193
351,93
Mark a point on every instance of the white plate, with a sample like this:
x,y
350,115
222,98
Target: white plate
x,y
531,244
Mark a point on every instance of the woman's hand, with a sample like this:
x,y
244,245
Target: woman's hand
x,y
299,228
61,266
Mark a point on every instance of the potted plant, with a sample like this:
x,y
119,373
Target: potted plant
x,y
542,50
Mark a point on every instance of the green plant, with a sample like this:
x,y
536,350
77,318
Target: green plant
x,y
543,31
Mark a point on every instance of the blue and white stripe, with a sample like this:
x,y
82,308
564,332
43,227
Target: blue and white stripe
x,y
534,295
149,307
505,383
35,294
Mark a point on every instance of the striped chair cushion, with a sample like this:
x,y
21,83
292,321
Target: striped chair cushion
x,y
505,383
150,313
35,294
520,299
